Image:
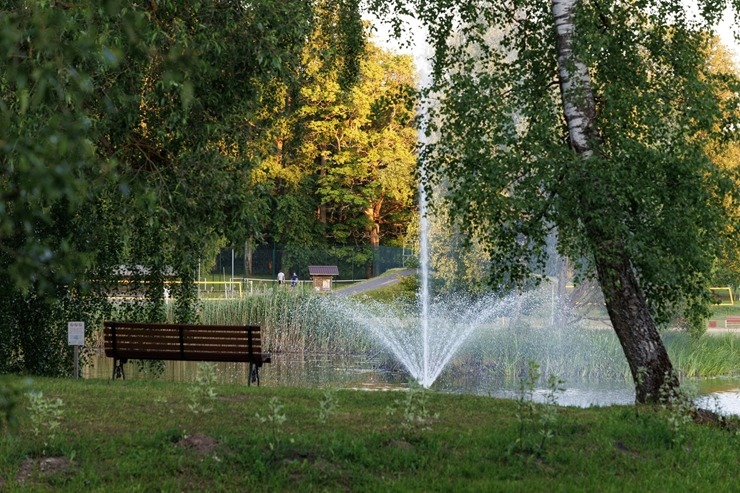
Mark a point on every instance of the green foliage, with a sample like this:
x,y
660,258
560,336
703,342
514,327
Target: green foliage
x,y
413,408
45,414
336,161
122,153
274,419
203,392
499,141
535,421
11,392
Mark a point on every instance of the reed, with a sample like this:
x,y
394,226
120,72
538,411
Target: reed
x,y
292,322
706,356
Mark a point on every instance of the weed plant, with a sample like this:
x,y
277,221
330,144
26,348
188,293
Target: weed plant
x,y
678,408
535,421
202,393
327,406
413,408
274,419
45,414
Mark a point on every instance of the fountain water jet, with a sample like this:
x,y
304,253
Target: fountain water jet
x,y
425,378
425,337
425,342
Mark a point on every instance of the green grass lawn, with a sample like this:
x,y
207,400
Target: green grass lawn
x,y
155,436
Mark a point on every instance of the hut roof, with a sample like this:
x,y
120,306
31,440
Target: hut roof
x,y
323,270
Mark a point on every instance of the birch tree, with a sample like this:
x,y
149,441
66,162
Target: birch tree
x,y
591,118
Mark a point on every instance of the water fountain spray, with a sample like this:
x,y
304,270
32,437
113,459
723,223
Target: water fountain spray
x,y
425,379
424,338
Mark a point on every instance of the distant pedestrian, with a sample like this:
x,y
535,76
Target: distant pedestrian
x,y
294,280
281,277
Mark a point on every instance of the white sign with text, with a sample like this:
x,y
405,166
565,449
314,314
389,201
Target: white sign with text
x,y
76,333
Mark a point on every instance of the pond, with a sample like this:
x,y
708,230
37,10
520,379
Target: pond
x,y
333,371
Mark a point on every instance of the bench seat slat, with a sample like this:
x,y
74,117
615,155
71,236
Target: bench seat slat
x,y
189,348
148,326
132,332
176,356
187,341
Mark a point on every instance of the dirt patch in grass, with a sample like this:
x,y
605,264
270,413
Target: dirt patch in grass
x,y
200,443
42,467
619,444
399,444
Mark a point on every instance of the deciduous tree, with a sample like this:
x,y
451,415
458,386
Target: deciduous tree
x,y
591,117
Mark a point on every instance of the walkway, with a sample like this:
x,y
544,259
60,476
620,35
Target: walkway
x,y
387,279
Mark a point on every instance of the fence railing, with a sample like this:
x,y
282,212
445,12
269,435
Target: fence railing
x,y
723,295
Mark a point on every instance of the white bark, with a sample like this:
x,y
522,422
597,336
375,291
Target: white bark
x,y
575,83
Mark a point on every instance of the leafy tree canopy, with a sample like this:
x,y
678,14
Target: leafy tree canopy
x,y
501,145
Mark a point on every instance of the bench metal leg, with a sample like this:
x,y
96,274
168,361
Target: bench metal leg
x,y
118,369
254,374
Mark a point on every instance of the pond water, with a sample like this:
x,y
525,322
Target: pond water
x,y
332,371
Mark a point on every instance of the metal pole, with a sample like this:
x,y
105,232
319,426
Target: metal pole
x,y
77,362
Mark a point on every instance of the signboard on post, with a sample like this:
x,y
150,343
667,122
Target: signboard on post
x,y
76,338
76,333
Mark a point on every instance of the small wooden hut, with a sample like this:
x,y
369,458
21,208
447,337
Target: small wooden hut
x,y
323,276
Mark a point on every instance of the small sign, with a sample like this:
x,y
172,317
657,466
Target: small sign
x,y
76,333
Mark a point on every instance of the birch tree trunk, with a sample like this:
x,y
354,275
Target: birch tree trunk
x,y
628,310
248,252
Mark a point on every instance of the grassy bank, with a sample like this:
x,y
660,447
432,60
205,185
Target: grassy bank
x,y
164,436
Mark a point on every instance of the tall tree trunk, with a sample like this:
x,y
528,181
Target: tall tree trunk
x,y
373,228
322,207
248,253
373,212
646,355
628,310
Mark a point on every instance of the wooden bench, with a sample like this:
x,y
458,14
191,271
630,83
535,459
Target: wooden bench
x,y
181,342
732,323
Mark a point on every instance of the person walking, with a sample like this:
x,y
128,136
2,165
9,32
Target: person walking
x,y
294,280
281,277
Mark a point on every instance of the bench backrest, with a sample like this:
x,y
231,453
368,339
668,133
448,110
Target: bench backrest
x,y
133,340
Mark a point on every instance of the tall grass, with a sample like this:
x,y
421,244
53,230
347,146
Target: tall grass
x,y
292,322
706,356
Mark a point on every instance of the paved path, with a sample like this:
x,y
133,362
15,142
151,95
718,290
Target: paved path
x,y
387,279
